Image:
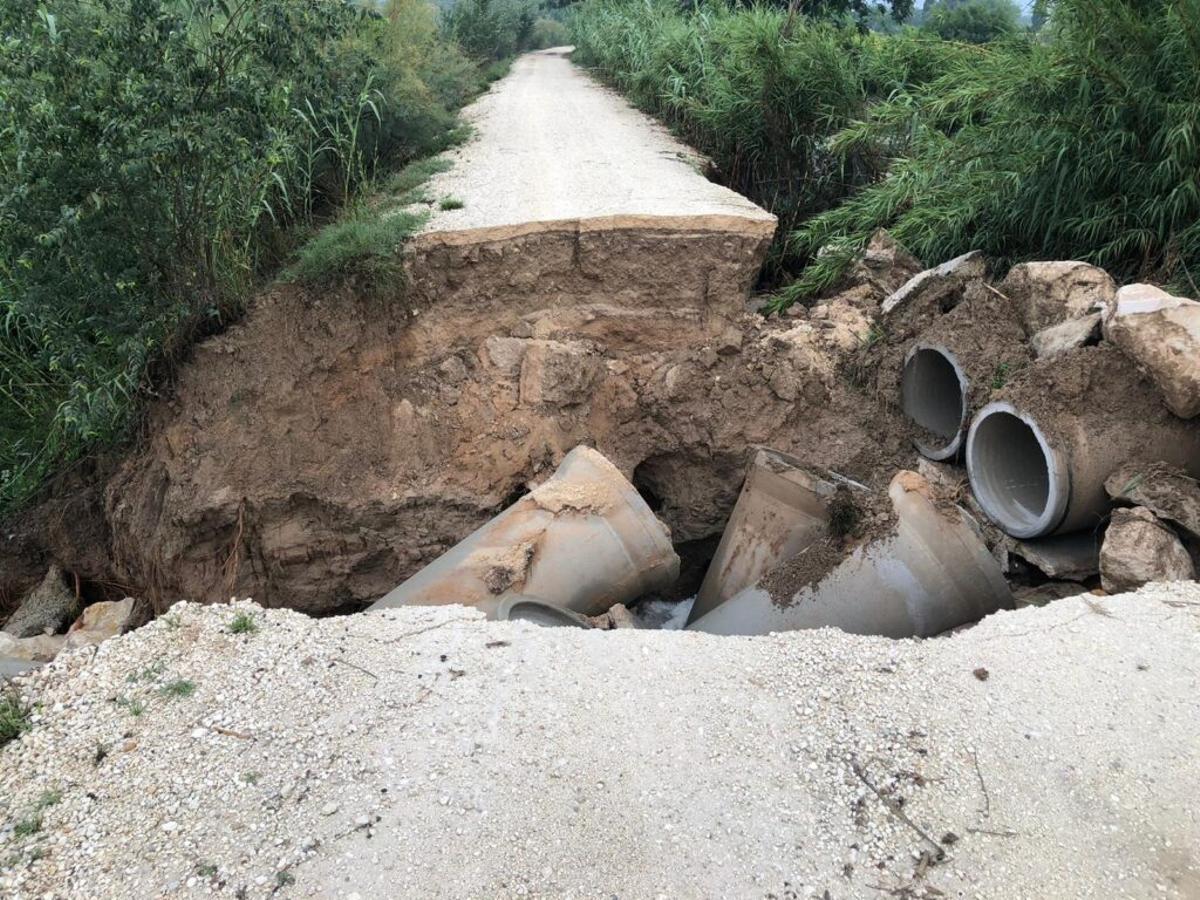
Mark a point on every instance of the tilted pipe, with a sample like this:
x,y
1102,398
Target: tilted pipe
x,y
931,572
583,541
780,510
947,373
1038,455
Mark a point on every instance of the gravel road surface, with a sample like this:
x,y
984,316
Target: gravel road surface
x,y
551,145
427,753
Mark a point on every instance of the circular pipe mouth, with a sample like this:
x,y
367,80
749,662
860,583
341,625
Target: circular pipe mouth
x,y
539,612
933,394
1019,480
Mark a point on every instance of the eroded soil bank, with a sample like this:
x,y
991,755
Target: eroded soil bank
x,y
325,449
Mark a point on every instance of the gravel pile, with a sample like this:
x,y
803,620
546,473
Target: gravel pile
x,y
424,752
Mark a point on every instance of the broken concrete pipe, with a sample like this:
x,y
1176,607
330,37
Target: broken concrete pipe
x,y
1037,459
928,573
580,542
780,511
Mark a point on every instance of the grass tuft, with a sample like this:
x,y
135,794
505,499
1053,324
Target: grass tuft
x,y
366,243
449,203
243,623
14,716
28,826
179,688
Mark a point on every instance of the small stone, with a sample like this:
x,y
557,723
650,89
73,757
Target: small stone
x,y
329,809
170,827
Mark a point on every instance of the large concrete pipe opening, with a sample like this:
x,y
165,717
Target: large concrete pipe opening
x,y
933,393
1017,477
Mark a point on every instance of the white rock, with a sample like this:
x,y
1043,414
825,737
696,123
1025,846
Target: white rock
x,y
1139,549
1161,333
1068,335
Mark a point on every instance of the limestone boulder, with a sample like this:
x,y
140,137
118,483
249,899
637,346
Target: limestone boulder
x,y
101,621
934,284
42,648
1138,549
1050,293
1058,339
1160,333
47,610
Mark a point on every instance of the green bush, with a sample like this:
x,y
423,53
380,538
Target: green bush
x,y
974,21
549,33
1081,144
154,154
491,29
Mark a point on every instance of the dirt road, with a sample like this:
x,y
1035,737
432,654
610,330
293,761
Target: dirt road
x,y
553,146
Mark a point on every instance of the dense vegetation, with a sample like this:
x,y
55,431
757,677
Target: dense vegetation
x,y
158,156
1082,141
759,90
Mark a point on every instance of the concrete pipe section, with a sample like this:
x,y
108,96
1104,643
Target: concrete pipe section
x,y
1037,459
931,572
780,510
582,541
933,393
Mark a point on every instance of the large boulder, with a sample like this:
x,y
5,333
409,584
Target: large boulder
x,y
1050,293
101,621
41,648
1161,333
47,610
1139,549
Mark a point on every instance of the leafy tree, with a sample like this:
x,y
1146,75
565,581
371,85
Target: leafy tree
x,y
973,21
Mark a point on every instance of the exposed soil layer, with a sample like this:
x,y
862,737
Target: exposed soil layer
x,y
322,451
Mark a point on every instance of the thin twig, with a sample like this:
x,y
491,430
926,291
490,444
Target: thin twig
x,y
894,808
417,631
1005,833
987,798
345,662
229,731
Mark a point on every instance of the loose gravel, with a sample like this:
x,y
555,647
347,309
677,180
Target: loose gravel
x,y
427,753
553,145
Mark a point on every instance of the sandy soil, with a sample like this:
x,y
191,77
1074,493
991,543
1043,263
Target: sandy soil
x,y
424,752
552,145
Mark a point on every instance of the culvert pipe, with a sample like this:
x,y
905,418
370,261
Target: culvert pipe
x,y
582,541
781,510
952,367
934,393
1038,455
930,572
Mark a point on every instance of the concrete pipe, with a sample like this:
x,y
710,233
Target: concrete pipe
x,y
1037,457
582,541
780,510
539,612
931,572
934,393
953,365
